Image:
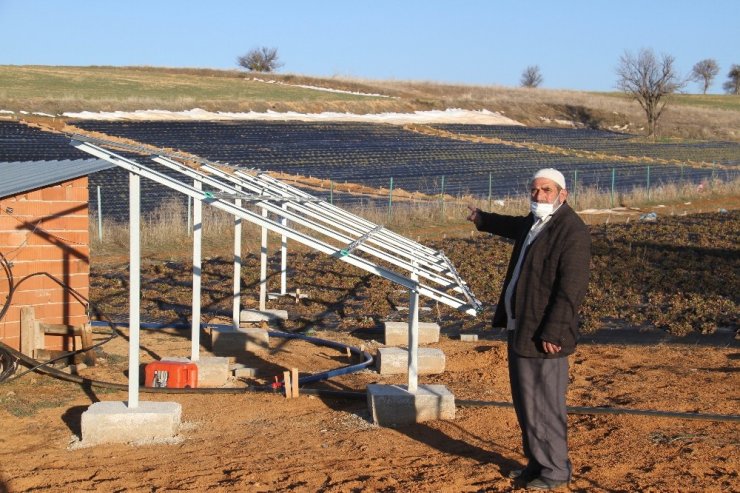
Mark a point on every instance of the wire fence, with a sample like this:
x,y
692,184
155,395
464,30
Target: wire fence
x,y
596,187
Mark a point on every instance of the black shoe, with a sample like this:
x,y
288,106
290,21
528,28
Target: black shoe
x,y
544,484
525,474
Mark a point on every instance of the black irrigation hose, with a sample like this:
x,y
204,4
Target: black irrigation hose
x,y
9,358
324,375
88,382
357,395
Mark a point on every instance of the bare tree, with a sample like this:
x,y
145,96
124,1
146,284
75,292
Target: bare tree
x,y
531,77
705,71
732,86
649,81
262,59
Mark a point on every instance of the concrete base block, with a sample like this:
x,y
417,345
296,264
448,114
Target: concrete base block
x,y
213,371
255,316
295,295
469,337
397,333
245,372
114,422
228,341
394,405
395,361
403,308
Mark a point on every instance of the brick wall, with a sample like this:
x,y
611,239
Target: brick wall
x,y
46,232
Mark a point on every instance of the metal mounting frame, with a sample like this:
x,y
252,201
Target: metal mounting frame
x,y
418,268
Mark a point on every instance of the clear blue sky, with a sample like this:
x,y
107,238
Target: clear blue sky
x,y
576,44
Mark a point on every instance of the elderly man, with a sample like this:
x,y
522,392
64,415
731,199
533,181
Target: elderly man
x,y
545,283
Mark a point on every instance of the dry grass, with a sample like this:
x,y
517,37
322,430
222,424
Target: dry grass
x,y
164,232
61,89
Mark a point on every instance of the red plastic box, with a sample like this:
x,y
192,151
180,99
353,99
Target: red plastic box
x,y
171,374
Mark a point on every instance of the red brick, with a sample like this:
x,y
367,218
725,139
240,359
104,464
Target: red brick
x,y
54,268
11,239
59,223
77,194
12,316
50,252
14,342
54,192
58,313
75,281
32,195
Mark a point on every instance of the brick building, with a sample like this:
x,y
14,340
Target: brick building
x,y
44,233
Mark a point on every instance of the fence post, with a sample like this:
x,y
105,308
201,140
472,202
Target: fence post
x,y
575,186
614,173
490,181
100,217
648,182
442,197
390,199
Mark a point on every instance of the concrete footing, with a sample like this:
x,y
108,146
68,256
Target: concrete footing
x,y
295,295
213,371
230,341
241,370
395,361
394,405
468,337
114,422
256,316
397,333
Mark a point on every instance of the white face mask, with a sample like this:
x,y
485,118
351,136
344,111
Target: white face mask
x,y
543,209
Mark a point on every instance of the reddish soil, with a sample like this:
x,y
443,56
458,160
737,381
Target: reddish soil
x,y
264,442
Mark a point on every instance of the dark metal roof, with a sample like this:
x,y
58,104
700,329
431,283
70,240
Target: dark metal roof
x,y
19,177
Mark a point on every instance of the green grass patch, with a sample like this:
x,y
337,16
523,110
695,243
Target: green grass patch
x,y
57,89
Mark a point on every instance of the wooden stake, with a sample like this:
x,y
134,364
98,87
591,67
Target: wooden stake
x,y
31,338
294,380
287,385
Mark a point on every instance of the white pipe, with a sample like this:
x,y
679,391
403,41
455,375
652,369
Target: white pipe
x,y
237,265
413,335
100,217
284,256
134,294
197,267
263,266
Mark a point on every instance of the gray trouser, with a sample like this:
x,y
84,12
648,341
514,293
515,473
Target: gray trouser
x,y
538,387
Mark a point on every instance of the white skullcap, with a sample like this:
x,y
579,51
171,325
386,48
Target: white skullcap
x,y
551,174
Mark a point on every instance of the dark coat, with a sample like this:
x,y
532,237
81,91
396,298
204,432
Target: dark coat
x,y
553,279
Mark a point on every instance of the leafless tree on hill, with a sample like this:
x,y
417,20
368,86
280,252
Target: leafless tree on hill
x,y
649,81
262,59
705,71
532,77
732,86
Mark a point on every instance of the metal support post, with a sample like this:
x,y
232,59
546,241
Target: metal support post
x,y
134,294
100,217
414,335
197,269
237,264
263,265
284,256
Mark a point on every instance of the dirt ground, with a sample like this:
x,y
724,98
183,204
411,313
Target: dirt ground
x,y
265,442
261,441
